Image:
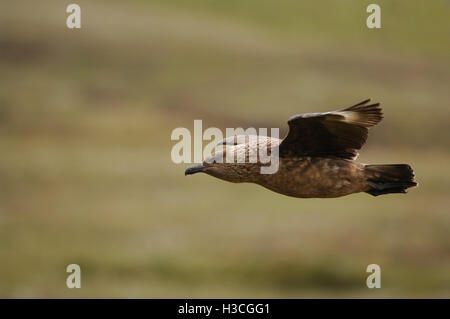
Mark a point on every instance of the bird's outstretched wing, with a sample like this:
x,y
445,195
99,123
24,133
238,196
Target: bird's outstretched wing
x,y
339,133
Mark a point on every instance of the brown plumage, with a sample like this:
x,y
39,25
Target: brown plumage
x,y
316,158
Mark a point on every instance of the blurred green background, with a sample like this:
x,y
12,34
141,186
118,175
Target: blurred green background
x,y
85,169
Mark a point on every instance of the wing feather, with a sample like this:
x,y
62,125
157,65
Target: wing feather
x,y
339,133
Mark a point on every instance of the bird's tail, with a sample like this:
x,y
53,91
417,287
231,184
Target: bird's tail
x,y
389,178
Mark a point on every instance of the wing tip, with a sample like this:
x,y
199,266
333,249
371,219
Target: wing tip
x,y
362,103
367,114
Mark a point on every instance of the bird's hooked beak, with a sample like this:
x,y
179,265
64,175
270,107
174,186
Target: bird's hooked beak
x,y
194,169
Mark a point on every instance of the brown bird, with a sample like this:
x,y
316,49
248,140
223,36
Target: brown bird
x,y
316,158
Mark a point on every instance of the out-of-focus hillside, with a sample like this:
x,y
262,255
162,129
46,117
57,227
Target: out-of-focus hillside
x,y
86,175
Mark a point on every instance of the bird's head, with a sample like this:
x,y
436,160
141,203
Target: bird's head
x,y
217,165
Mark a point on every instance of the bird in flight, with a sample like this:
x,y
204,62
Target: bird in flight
x,y
316,158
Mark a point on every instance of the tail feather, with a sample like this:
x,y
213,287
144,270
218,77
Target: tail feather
x,y
389,178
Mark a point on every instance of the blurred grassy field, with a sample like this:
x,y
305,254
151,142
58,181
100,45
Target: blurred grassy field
x,y
85,169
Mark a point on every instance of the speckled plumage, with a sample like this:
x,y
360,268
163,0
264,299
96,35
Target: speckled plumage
x,y
316,158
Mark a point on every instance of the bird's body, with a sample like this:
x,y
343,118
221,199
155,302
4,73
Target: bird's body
x,y
315,177
316,159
